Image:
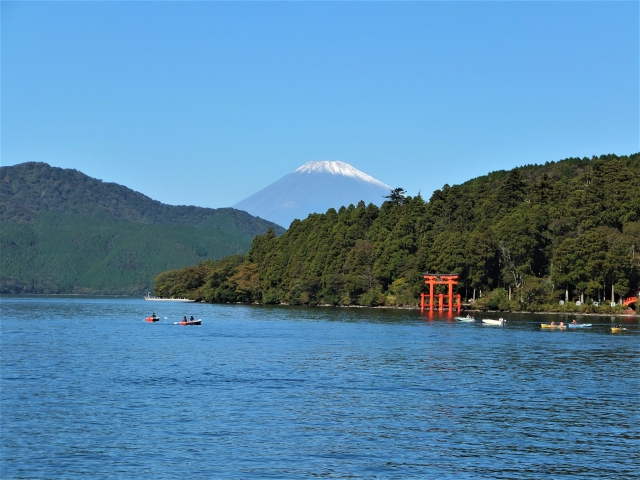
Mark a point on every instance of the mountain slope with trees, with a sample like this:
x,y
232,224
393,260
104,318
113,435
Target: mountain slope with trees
x,y
65,232
523,238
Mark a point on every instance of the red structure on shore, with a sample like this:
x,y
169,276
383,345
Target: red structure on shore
x,y
432,279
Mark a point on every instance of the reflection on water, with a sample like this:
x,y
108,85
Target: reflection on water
x,y
88,387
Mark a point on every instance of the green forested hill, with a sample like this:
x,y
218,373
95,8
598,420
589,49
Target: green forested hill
x,y
523,238
65,232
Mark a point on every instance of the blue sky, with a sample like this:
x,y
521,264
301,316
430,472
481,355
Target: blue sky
x,y
206,103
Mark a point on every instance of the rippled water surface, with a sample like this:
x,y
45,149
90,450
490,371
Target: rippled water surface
x,y
90,389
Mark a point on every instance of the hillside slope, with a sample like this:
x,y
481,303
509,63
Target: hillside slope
x,y
65,232
532,235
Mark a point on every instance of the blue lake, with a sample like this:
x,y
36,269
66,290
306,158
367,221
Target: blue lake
x,y
90,389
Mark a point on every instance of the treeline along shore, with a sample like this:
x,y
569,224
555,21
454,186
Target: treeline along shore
x,y
524,239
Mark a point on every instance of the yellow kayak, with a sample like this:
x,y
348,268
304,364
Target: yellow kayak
x,y
548,325
618,329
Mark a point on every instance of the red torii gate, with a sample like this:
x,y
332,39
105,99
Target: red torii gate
x,y
432,279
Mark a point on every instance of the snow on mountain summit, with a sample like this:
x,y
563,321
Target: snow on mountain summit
x,y
314,188
338,168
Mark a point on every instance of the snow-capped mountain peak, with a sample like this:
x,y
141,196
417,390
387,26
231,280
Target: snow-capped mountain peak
x,y
314,188
338,168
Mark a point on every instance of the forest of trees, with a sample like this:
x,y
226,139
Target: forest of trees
x,y
64,232
520,240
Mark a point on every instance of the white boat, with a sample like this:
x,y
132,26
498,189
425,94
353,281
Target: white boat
x,y
465,319
490,321
151,298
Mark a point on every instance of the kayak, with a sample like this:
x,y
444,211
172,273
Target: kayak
x,y
618,329
188,322
490,321
465,319
553,327
579,325
151,319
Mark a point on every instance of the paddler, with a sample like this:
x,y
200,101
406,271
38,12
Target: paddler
x,y
553,324
192,319
574,322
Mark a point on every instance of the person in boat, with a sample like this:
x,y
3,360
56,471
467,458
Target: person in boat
x,y
191,319
553,324
184,319
561,324
574,322
153,315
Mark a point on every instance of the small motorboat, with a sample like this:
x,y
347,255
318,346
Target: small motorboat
x,y
189,322
618,329
553,327
465,319
579,325
152,319
490,321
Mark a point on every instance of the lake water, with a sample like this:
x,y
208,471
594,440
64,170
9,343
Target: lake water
x,y
90,389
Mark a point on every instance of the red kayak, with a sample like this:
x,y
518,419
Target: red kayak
x,y
188,322
152,319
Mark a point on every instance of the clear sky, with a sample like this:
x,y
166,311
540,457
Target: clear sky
x,y
206,103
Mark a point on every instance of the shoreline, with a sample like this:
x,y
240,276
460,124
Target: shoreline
x,y
565,313
142,297
461,312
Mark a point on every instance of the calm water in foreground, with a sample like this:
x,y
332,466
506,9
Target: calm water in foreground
x,y
90,389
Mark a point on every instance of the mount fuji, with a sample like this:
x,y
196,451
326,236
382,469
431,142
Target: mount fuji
x,y
313,188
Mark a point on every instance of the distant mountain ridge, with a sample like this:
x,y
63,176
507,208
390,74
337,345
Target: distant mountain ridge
x,y
314,188
29,188
65,232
